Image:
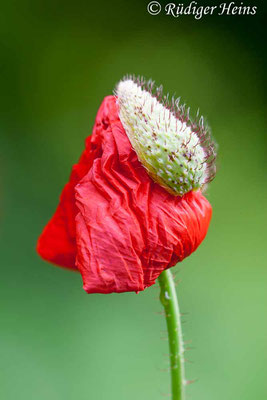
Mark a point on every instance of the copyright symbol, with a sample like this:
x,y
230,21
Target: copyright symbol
x,y
154,8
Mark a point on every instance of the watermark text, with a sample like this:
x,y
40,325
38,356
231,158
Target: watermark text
x,y
199,11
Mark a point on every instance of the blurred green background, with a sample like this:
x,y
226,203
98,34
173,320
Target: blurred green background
x,y
58,60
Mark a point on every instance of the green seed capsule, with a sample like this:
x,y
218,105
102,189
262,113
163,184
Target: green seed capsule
x,y
177,153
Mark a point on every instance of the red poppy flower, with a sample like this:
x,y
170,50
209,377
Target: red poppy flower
x,y
114,223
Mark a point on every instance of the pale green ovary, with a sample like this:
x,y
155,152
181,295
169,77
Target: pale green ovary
x,y
167,147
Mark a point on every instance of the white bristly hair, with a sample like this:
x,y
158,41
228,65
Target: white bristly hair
x,y
177,153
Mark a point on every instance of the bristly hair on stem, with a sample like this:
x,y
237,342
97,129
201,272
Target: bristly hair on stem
x,y
168,298
191,135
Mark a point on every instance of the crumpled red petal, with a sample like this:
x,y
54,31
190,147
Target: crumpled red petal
x,y
113,222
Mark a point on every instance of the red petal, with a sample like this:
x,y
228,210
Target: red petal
x,y
128,228
57,243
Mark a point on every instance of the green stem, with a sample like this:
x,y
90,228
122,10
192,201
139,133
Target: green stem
x,y
169,301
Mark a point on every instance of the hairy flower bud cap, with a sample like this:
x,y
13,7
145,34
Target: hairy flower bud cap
x,y
177,153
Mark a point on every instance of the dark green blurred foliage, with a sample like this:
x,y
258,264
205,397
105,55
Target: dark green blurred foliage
x,y
58,60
